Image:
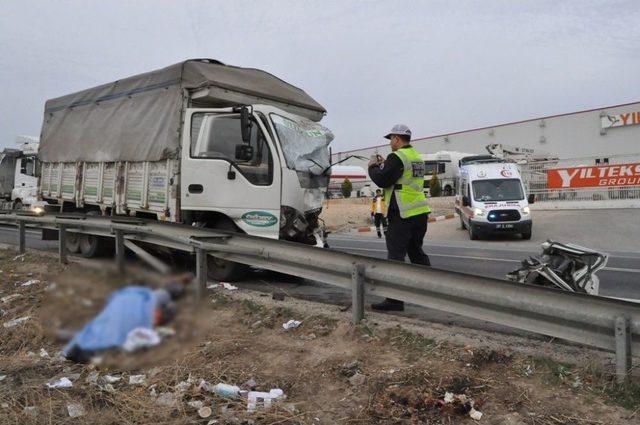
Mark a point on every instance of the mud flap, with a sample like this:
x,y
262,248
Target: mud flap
x,y
49,235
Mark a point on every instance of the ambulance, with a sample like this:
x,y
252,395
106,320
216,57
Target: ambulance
x,y
492,199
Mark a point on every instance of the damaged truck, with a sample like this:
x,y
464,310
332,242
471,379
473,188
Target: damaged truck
x,y
198,143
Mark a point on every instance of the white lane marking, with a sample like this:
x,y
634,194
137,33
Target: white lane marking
x,y
469,257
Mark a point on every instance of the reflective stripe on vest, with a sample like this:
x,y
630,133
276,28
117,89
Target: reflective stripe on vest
x,y
410,195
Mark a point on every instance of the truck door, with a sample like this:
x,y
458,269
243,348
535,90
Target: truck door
x,y
213,179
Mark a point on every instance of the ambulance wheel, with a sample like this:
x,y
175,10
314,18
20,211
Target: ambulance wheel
x,y
473,235
526,235
462,225
225,270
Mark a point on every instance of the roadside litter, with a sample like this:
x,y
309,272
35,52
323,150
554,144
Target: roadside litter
x,y
31,282
291,324
138,380
15,322
223,285
10,298
140,338
461,402
254,397
223,390
60,383
75,410
19,257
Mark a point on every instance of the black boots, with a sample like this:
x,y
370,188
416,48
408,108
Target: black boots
x,y
389,305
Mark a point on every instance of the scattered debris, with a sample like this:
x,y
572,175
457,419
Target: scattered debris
x,y
15,322
138,380
223,285
19,257
139,338
350,369
9,298
358,379
250,384
31,282
44,354
2,312
205,412
196,404
475,414
3,377
461,404
75,410
166,399
278,296
30,410
253,397
165,331
291,324
63,382
92,378
223,390
110,379
184,385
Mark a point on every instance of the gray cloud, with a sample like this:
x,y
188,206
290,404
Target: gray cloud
x,y
437,66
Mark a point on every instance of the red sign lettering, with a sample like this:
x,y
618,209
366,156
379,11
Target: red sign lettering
x,y
596,176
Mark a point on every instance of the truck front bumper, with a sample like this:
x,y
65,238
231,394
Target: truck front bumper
x,y
522,226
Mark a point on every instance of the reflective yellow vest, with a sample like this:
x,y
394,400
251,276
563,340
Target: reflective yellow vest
x,y
409,188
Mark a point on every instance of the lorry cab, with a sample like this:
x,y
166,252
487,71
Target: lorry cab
x,y
492,198
445,166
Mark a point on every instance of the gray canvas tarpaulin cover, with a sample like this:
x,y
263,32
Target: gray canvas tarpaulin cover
x,y
139,118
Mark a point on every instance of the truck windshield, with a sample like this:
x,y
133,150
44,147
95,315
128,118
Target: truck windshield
x,y
497,190
305,143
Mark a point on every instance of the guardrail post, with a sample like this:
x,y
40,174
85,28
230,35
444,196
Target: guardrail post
x,y
120,258
357,293
21,236
62,243
623,349
201,272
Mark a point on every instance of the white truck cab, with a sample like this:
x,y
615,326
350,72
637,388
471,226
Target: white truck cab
x,y
492,198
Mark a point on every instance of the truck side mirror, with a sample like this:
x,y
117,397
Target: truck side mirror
x,y
465,201
532,198
244,152
245,123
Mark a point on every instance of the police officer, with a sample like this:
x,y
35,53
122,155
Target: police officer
x,y
402,177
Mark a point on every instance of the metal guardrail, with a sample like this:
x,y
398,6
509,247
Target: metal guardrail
x,y
609,324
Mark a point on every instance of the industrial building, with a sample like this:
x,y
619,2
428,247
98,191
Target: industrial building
x,y
595,133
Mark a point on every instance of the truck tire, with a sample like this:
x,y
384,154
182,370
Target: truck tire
x,y
473,235
526,235
224,270
17,206
73,243
91,245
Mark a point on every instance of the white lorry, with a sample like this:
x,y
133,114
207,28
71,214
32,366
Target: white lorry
x,y
18,175
492,198
445,165
198,143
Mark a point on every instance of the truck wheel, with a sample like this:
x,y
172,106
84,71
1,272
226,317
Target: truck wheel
x,y
224,270
73,243
473,235
17,206
462,225
526,235
91,245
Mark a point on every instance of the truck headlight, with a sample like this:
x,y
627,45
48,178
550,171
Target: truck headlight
x,y
526,211
37,210
478,212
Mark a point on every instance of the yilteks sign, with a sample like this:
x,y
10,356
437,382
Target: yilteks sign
x,y
620,120
596,176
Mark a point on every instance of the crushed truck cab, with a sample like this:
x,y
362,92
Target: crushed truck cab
x,y
492,198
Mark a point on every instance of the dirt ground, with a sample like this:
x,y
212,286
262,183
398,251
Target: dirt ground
x,y
342,214
330,371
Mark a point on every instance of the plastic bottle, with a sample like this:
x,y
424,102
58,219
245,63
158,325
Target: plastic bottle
x,y
226,390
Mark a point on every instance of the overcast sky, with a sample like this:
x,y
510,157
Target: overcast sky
x,y
438,66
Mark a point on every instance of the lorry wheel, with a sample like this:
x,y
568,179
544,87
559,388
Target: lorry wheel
x,y
224,270
73,243
526,235
473,235
17,206
462,225
91,245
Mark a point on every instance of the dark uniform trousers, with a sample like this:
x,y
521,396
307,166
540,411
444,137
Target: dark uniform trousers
x,y
405,237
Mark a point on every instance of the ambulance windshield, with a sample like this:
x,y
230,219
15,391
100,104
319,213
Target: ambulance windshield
x,y
497,190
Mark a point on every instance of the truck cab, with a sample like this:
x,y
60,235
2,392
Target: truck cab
x,y
492,198
445,165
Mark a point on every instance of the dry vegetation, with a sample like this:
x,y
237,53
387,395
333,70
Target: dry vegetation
x,y
330,371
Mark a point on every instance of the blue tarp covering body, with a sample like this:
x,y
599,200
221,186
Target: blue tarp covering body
x,y
127,309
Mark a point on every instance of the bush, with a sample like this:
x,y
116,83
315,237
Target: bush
x,y
346,188
435,189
